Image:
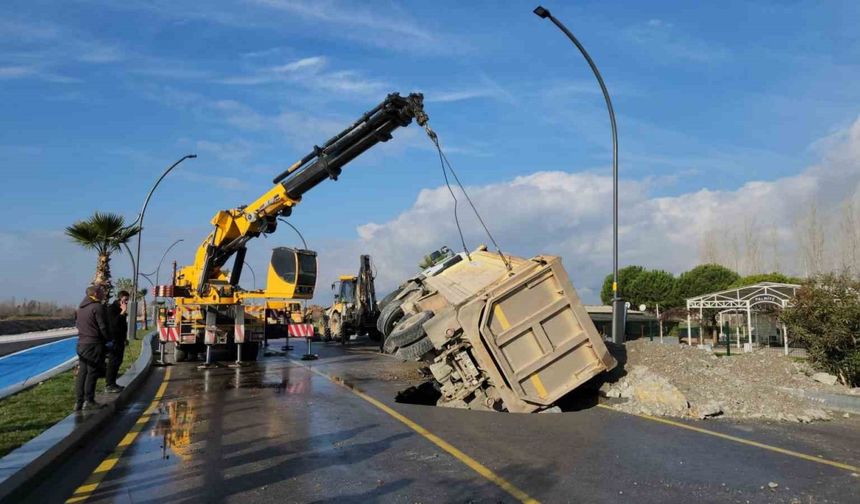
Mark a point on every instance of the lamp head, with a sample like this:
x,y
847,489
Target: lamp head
x,y
541,12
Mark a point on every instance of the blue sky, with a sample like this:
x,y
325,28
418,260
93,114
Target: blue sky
x,y
98,97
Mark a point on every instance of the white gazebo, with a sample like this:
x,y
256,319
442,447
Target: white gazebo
x,y
744,299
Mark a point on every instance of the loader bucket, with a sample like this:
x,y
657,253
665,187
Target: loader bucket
x,y
292,273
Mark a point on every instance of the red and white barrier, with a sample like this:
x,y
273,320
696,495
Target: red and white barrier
x,y
300,330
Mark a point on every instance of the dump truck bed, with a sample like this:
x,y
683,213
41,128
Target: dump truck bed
x,y
528,332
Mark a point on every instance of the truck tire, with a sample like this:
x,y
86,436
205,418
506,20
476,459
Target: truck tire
x,y
337,330
389,317
387,299
179,353
415,351
407,331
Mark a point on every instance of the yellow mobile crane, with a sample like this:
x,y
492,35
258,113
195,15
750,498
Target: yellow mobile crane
x,y
210,306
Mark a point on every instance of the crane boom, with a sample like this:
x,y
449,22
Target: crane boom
x,y
235,227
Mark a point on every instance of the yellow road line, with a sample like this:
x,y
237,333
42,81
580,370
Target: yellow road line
x,y
86,490
441,443
791,453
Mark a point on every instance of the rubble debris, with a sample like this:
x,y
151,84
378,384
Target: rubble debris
x,y
683,381
825,378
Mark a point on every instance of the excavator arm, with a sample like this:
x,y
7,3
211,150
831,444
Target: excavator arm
x,y
235,227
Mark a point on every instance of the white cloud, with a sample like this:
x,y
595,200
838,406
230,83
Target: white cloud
x,y
569,214
309,73
35,50
235,150
664,39
15,72
351,15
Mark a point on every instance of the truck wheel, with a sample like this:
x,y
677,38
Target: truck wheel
x,y
407,331
336,328
326,336
179,353
389,316
415,351
387,299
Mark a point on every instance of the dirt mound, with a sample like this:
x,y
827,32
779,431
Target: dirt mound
x,y
683,381
18,326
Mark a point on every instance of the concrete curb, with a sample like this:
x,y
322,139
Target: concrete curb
x,y
21,469
39,335
839,402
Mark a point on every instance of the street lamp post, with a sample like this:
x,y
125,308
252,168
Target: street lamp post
x,y
254,275
288,223
139,223
158,269
619,309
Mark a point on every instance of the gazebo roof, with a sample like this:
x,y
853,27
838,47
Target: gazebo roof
x,y
773,293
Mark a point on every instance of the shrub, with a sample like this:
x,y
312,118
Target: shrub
x,y
826,319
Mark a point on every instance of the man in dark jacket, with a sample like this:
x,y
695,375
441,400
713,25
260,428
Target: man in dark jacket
x,y
118,328
93,333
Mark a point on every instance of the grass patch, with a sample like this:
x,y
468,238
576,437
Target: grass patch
x,y
28,413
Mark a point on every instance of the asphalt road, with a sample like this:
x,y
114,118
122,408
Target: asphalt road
x,y
278,431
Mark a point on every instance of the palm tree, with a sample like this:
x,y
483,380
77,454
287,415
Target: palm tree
x,y
105,233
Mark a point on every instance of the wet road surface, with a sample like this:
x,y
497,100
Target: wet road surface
x,y
278,432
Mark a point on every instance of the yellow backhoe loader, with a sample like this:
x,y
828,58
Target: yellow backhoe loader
x,y
354,309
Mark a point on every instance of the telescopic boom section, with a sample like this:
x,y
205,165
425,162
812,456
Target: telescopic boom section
x,y
233,228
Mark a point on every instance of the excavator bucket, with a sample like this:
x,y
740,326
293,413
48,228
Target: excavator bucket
x,y
292,273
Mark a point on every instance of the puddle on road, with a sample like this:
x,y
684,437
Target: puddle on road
x,y
175,425
264,378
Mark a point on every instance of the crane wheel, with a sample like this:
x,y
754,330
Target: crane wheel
x,y
415,351
407,331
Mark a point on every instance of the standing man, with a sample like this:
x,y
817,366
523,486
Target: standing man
x,y
117,312
93,333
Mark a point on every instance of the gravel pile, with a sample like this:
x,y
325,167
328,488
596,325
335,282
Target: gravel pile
x,y
683,381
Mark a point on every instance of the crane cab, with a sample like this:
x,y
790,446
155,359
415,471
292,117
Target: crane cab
x,y
292,273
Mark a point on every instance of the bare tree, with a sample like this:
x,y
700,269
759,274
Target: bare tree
x,y
752,253
848,237
773,247
709,247
811,240
734,251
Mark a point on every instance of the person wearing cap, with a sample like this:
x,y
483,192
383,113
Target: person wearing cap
x,y
93,334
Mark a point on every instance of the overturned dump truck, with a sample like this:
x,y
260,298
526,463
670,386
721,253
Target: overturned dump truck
x,y
495,338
